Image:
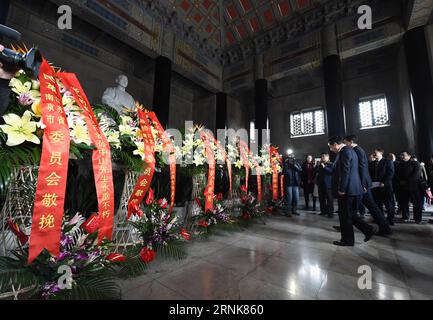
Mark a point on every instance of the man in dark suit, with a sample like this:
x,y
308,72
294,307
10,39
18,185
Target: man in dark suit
x,y
367,197
347,186
324,183
383,174
408,176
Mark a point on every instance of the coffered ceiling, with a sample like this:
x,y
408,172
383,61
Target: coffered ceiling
x,y
242,19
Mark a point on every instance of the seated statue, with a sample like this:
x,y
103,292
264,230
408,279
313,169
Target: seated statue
x,y
118,98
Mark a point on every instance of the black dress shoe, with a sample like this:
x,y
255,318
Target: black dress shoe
x,y
391,223
374,231
343,244
323,214
295,213
337,228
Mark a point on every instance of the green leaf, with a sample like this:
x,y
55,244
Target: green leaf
x,y
94,287
13,273
172,250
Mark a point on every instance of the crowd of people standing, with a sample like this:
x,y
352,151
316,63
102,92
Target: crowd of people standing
x,y
381,183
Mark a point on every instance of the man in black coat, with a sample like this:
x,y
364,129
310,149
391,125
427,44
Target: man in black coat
x,y
307,181
367,196
324,183
292,180
5,78
347,186
383,174
407,181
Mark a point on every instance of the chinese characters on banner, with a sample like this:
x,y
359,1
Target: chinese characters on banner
x,y
282,186
145,180
245,154
101,158
275,156
53,169
167,147
209,191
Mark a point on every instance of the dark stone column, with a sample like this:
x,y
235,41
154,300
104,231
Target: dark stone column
x,y
221,110
261,109
162,88
421,84
333,79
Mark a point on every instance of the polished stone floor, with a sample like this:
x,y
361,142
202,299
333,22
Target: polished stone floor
x,y
294,259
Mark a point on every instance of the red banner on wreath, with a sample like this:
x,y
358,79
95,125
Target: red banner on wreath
x,y
145,180
53,169
209,192
259,179
274,155
101,158
167,147
282,186
226,159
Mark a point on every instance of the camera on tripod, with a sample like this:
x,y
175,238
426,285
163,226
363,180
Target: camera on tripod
x,y
30,62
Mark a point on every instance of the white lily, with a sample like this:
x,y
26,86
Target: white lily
x,y
19,129
80,134
140,150
21,88
113,139
126,120
199,160
239,164
127,130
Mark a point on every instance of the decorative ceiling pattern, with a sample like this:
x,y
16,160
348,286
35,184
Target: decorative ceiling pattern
x,y
242,19
247,27
202,15
246,18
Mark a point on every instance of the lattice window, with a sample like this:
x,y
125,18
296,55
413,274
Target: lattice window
x,y
373,112
306,123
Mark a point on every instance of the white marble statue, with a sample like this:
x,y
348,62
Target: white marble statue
x,y
118,98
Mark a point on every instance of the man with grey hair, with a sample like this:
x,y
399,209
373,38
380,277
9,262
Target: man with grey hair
x,y
117,97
